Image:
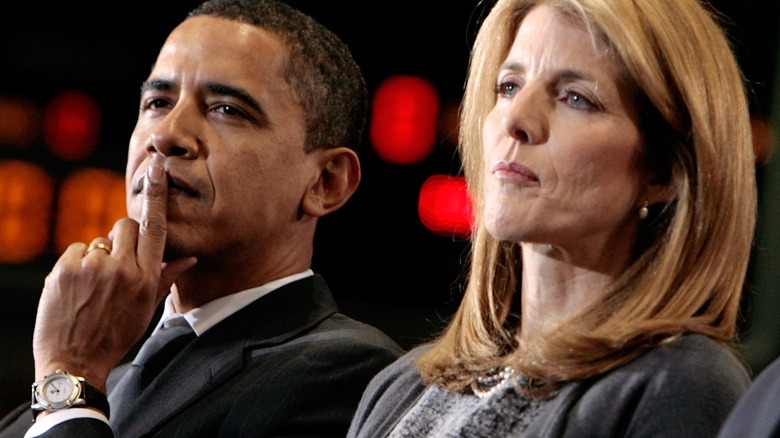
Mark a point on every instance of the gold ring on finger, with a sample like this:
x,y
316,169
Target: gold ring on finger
x,y
102,246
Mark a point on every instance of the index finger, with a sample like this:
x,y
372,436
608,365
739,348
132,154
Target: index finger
x,y
153,227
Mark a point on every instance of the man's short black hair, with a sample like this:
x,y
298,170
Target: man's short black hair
x,y
323,76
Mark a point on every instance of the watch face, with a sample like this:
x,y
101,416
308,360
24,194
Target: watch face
x,y
58,390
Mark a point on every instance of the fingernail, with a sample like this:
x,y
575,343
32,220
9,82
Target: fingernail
x,y
155,174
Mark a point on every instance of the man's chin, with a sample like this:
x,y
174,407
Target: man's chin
x,y
174,251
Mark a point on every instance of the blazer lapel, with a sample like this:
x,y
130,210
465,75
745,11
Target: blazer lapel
x,y
218,354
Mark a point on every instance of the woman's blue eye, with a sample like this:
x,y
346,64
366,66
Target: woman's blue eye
x,y
577,100
506,89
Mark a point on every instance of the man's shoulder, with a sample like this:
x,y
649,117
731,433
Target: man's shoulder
x,y
318,339
758,413
340,328
337,339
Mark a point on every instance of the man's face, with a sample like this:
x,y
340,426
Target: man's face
x,y
217,107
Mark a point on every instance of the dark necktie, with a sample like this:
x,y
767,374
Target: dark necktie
x,y
162,346
154,355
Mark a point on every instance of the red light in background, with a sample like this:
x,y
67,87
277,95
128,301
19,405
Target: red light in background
x,y
404,118
72,125
444,206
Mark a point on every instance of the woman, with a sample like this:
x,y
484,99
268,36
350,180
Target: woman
x,y
607,148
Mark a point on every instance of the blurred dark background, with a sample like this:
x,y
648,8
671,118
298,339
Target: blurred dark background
x,y
383,265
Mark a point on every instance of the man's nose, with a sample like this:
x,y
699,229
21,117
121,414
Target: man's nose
x,y
177,133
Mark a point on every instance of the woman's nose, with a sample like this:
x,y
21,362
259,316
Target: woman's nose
x,y
526,117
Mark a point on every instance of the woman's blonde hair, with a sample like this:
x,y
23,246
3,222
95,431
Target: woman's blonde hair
x,y
692,253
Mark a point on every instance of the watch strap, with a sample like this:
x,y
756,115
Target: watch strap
x,y
95,398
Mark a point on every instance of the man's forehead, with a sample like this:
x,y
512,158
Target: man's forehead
x,y
214,41
207,50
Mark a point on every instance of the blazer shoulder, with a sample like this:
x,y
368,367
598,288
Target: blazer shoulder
x,y
685,387
388,396
343,329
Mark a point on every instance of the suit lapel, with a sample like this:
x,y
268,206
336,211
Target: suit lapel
x,y
218,354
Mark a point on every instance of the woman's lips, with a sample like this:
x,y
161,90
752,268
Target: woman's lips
x,y
514,171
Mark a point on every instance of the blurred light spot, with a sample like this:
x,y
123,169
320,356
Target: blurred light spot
x,y
763,139
404,118
72,125
444,206
20,122
89,202
26,198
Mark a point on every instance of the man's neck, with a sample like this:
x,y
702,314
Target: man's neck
x,y
201,285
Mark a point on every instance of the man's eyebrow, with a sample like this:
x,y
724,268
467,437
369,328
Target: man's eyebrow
x,y
243,96
212,87
156,84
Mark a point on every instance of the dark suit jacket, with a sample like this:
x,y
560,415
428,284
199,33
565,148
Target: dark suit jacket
x,y
757,415
286,365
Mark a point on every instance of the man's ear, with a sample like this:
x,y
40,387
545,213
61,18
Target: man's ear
x,y
338,179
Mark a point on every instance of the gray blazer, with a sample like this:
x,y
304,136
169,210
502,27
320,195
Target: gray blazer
x,y
684,388
287,364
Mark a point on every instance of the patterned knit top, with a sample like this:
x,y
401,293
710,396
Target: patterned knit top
x,y
439,413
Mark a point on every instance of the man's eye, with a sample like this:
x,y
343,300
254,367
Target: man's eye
x,y
229,110
155,103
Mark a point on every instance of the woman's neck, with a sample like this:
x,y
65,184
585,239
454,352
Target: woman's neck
x,y
555,286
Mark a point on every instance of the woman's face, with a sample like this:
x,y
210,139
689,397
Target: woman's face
x,y
562,144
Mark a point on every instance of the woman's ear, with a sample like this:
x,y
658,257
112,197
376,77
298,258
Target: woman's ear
x,y
657,190
339,177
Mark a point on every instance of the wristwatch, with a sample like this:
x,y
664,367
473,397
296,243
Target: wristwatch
x,y
62,390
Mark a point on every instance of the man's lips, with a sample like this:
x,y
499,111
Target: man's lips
x,y
514,171
175,182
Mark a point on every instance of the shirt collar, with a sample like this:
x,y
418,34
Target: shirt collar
x,y
214,312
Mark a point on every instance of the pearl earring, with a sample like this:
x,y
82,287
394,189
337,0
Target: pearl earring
x,y
643,211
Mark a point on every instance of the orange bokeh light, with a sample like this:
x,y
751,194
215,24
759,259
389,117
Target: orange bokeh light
x,y
26,198
89,202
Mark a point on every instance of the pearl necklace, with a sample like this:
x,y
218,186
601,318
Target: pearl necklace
x,y
487,385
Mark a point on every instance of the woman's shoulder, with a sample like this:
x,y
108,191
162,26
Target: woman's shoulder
x,y
691,358
684,387
401,374
387,397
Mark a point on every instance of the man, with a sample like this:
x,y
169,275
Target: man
x,y
245,137
757,415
